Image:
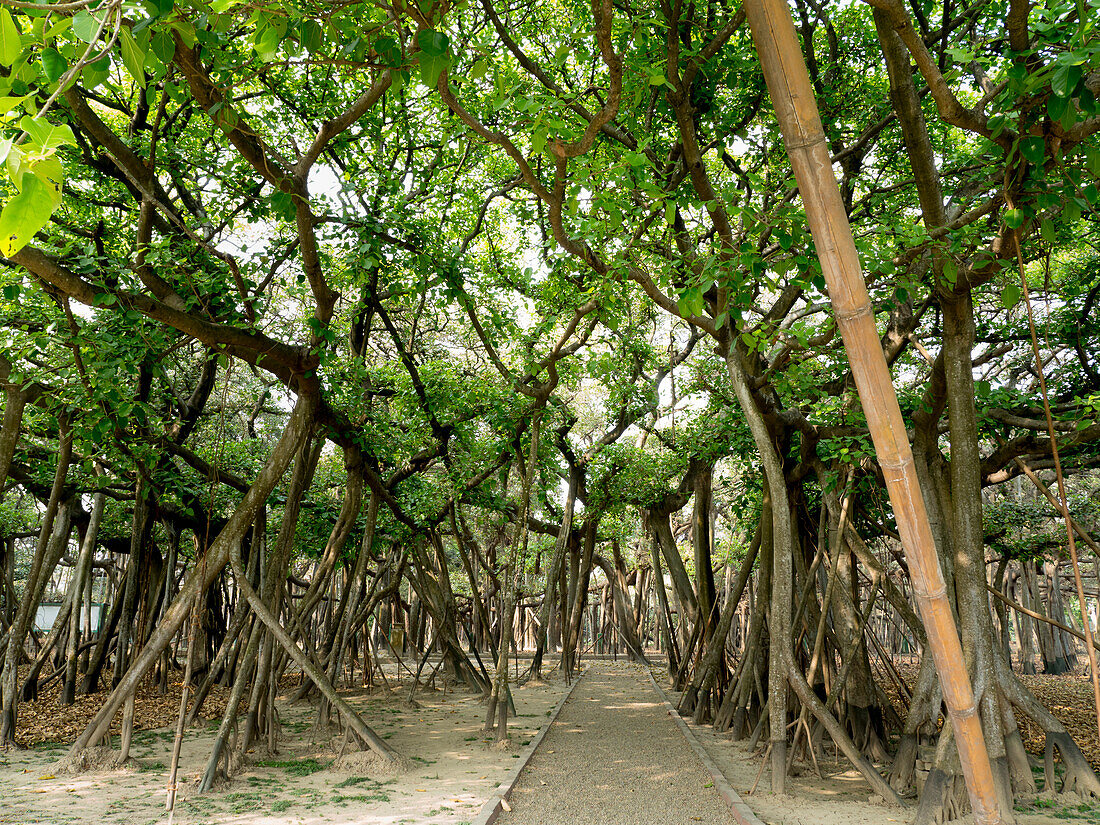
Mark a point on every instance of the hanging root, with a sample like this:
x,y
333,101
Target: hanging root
x,y
942,799
1019,767
903,771
687,700
867,731
1080,779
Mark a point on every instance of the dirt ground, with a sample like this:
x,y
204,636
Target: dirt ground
x,y
453,768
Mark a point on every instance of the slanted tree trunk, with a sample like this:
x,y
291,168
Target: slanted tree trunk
x,y
82,578
702,537
665,619
696,699
571,638
36,582
553,575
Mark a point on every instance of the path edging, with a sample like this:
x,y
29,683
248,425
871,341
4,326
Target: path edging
x,y
741,811
493,805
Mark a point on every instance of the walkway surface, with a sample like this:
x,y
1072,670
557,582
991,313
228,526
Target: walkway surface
x,y
614,757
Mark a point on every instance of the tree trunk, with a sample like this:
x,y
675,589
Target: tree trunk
x,y
205,571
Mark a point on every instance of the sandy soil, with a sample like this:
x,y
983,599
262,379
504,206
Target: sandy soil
x,y
453,773
613,757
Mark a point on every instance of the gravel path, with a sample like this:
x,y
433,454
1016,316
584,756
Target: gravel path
x,y
614,757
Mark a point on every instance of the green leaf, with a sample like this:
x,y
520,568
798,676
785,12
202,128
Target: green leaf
x,y
310,35
1010,295
86,26
44,135
657,79
538,140
160,8
51,173
1048,230
16,164
54,64
1086,100
269,34
950,271
1069,118
431,67
8,103
132,55
691,302
479,69
1065,80
389,51
1014,218
1057,106
432,43
1033,149
96,73
11,44
48,171
186,32
37,130
1092,161
164,45
24,215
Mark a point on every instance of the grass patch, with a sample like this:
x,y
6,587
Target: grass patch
x,y
374,789
295,767
1084,811
242,802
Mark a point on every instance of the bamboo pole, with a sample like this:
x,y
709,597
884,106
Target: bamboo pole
x,y
796,110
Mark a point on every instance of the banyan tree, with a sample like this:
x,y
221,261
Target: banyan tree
x,y
756,342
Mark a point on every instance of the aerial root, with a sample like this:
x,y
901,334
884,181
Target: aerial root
x,y
942,799
903,771
1080,779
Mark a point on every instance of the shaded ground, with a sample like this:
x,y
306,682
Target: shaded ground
x,y
842,797
46,721
1068,697
614,757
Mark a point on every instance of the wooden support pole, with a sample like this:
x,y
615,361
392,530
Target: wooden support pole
x,y
796,110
